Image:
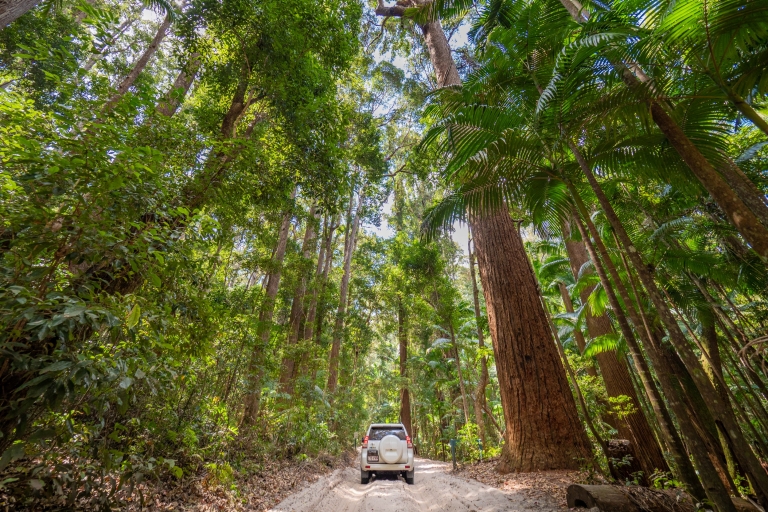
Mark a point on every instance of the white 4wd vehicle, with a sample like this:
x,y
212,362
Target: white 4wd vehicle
x,y
387,448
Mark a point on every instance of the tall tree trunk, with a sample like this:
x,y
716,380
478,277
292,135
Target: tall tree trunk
x,y
11,10
543,427
324,258
581,343
634,427
720,410
405,397
288,372
457,360
96,57
684,469
172,99
140,64
479,400
256,372
338,328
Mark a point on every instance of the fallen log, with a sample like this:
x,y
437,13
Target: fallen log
x,y
618,498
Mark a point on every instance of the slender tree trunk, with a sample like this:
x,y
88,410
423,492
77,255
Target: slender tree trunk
x,y
338,328
457,356
288,374
720,410
577,388
172,99
11,10
697,410
140,64
324,260
96,57
256,372
684,469
405,398
618,382
577,334
543,427
479,400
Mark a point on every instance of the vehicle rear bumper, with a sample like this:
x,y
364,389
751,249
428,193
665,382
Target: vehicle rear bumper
x,y
383,468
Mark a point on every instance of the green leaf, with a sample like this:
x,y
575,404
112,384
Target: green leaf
x,y
126,382
57,366
155,280
14,452
133,317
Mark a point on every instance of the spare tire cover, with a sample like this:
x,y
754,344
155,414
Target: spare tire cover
x,y
391,449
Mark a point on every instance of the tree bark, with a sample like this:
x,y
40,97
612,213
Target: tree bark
x,y
684,469
338,328
324,259
256,372
618,382
11,10
581,343
457,360
543,427
479,400
405,398
720,410
288,372
140,64
172,99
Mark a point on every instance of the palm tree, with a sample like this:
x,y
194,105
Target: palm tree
x,y
491,150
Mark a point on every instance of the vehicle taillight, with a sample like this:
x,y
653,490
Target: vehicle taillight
x,y
365,442
408,440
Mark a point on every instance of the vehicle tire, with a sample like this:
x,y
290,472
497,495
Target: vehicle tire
x,y
365,477
409,477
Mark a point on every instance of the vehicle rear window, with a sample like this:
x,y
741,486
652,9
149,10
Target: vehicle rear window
x,y
379,433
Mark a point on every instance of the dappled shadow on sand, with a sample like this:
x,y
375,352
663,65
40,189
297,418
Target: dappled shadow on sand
x,y
435,488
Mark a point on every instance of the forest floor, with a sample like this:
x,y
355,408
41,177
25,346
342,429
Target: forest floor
x,y
436,487
250,491
542,486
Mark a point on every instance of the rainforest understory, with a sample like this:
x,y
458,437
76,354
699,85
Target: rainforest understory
x,y
234,233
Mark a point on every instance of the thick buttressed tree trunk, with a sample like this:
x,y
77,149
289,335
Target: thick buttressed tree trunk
x,y
543,427
252,399
338,327
635,427
405,397
288,372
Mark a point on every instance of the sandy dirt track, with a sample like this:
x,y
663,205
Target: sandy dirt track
x,y
435,488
